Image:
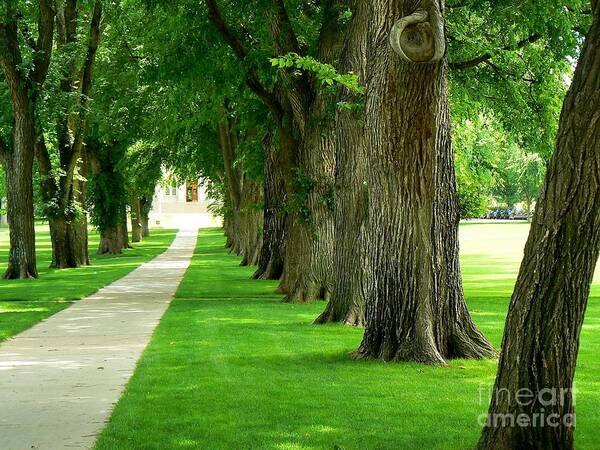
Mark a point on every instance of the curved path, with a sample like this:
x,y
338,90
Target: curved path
x,y
60,379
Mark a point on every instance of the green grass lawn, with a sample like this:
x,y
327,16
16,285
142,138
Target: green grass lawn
x,y
23,303
231,367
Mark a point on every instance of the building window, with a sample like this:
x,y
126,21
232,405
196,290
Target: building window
x,y
191,191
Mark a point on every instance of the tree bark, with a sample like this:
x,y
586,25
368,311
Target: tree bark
x,y
24,86
145,207
110,241
348,302
19,167
122,232
308,267
415,307
534,385
244,196
251,220
68,221
270,264
136,224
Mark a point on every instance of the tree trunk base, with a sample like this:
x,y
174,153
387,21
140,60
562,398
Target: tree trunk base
x,y
305,293
273,271
460,344
352,319
20,273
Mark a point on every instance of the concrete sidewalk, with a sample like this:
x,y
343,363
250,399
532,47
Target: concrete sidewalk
x,y
60,379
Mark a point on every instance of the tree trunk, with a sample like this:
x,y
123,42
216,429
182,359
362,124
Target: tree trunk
x,y
244,196
24,78
307,274
136,224
145,207
541,338
228,230
108,196
122,233
308,267
251,221
415,308
348,301
79,229
270,264
69,243
19,181
110,241
68,230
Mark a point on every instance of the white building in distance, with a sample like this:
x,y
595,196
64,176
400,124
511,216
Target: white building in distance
x,y
182,206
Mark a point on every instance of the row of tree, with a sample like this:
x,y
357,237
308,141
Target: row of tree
x,y
62,149
368,206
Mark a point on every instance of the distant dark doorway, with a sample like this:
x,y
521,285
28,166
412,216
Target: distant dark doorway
x,y
191,191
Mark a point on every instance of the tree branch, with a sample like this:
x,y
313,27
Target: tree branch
x,y
252,79
41,58
487,56
86,87
284,37
214,15
10,56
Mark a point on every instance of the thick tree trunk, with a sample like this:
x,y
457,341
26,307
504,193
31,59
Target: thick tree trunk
x,y
79,229
415,308
243,230
68,231
24,78
108,197
250,221
19,181
228,230
308,266
136,224
110,241
69,243
145,207
122,232
532,404
21,257
348,301
270,264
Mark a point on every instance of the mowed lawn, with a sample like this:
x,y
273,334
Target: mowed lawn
x,y
23,303
232,367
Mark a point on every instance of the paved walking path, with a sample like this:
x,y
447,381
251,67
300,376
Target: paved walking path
x,y
60,379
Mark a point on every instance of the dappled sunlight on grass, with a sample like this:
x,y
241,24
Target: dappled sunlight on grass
x,y
230,366
25,302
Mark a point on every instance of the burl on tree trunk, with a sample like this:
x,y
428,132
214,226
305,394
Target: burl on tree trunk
x,y
415,308
532,403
